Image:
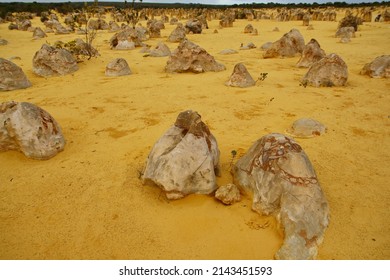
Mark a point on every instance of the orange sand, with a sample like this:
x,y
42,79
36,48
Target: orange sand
x,y
89,203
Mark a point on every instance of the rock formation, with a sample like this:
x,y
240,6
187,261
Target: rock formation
x,y
178,34
378,68
311,53
327,72
185,159
126,39
38,33
228,194
189,57
277,173
306,128
240,77
291,44
193,26
117,67
27,128
160,50
249,28
12,76
50,61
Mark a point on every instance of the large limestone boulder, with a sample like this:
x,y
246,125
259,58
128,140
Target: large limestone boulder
x,y
193,26
126,39
290,45
185,160
178,34
12,76
378,68
189,57
277,173
27,128
50,61
117,67
327,72
311,53
240,77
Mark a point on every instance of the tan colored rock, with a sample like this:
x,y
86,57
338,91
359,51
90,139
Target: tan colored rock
x,y
240,77
306,128
27,128
228,194
12,76
178,34
117,67
310,54
378,68
290,45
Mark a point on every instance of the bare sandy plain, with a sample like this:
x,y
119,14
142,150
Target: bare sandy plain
x,y
89,203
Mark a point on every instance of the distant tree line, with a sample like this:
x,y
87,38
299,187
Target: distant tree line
x,y
67,7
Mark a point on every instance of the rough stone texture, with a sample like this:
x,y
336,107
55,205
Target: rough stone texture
x,y
345,32
189,57
39,33
154,28
311,53
228,194
306,20
266,46
291,44
249,28
126,39
306,128
160,50
279,176
378,68
117,67
240,77
3,42
248,46
12,76
194,26
185,159
228,51
27,128
50,61
178,34
327,72
113,26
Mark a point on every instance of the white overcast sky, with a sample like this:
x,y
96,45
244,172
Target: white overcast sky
x,y
218,2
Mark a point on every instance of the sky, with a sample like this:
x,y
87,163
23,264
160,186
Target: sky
x,y
217,2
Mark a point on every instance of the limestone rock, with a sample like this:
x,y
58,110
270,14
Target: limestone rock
x,y
279,176
113,26
228,51
248,46
266,46
327,72
240,77
185,160
194,26
228,194
249,28
126,39
345,32
3,42
311,53
39,33
154,27
178,34
50,61
12,76
306,128
27,128
378,68
117,67
160,50
290,45
189,57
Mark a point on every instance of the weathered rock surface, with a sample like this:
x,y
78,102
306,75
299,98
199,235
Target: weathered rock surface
x,y
189,57
228,194
50,61
279,176
12,76
194,26
117,67
345,33
160,50
290,45
178,34
327,72
185,160
127,39
378,68
3,42
27,128
39,33
306,128
311,53
228,51
240,77
249,28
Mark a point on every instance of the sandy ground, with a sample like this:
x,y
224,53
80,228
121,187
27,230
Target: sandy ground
x,y
89,203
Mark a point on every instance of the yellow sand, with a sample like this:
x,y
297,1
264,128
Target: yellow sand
x,y
89,203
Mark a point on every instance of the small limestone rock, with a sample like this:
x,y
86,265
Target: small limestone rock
x,y
311,53
185,160
27,128
378,68
126,39
240,77
327,72
279,176
306,128
249,28
189,57
50,61
228,194
160,50
38,33
3,42
118,67
12,76
249,46
178,34
290,45
194,26
266,46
